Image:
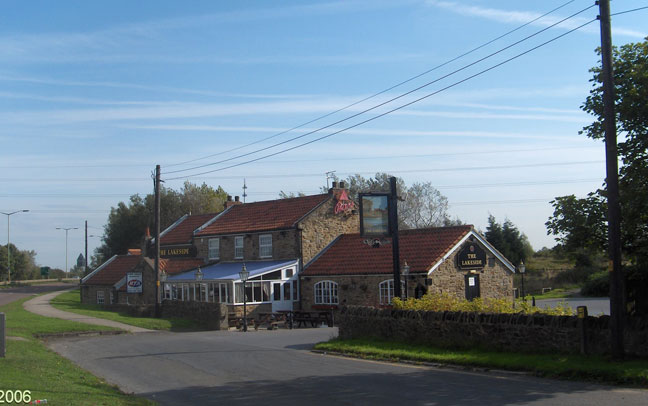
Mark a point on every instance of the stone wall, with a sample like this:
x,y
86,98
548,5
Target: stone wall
x,y
509,332
322,226
213,315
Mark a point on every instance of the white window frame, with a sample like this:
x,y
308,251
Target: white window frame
x,y
265,247
213,245
101,299
386,291
239,248
253,285
326,293
112,297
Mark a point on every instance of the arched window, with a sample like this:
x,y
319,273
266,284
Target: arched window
x,y
386,289
326,292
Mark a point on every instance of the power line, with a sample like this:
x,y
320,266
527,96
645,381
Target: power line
x,y
394,109
385,102
629,11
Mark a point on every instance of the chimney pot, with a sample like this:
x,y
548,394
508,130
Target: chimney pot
x,y
229,198
342,185
236,198
334,185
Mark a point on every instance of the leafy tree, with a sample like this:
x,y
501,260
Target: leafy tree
x,y
420,205
23,263
127,223
290,195
508,240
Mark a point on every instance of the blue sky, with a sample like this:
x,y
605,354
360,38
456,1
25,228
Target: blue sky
x,y
94,94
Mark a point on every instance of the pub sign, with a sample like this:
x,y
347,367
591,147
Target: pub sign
x,y
134,282
374,214
471,256
178,252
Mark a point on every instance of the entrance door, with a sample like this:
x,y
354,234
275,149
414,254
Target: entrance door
x,y
472,286
282,296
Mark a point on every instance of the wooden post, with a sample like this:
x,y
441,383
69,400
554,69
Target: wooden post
x,y
582,326
3,340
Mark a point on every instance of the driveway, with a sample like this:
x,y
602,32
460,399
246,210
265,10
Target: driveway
x,y
12,294
277,368
596,306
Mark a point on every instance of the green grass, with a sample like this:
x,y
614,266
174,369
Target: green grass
x,y
70,302
29,365
631,372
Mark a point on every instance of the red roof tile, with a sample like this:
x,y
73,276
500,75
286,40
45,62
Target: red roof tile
x,y
116,269
264,216
421,248
182,233
176,265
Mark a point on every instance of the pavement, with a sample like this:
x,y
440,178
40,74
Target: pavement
x,y
278,368
9,295
41,305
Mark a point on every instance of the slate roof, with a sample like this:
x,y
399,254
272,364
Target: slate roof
x,y
263,216
230,270
182,232
421,248
113,270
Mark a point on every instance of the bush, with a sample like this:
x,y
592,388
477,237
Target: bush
x,y
444,302
636,287
597,284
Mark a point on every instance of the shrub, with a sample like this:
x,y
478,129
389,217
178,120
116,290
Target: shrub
x,y
597,284
444,302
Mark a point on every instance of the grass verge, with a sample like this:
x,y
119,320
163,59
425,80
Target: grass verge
x,y
600,369
29,365
70,302
558,293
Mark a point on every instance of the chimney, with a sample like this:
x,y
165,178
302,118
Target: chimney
x,y
342,185
236,198
134,251
334,185
230,203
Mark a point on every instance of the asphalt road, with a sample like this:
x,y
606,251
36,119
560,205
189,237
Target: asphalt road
x,y
12,294
595,305
276,368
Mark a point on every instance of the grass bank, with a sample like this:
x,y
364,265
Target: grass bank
x,y
600,369
30,366
70,301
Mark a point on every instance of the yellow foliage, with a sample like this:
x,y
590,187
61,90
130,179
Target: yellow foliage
x,y
445,302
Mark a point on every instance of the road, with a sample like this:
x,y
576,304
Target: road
x,y
276,368
12,294
595,305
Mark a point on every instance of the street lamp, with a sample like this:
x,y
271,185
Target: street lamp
x,y
66,244
522,268
8,250
406,270
244,274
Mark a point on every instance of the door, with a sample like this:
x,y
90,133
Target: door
x,y
282,296
472,286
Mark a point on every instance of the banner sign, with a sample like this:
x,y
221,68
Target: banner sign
x,y
134,282
471,256
374,214
178,252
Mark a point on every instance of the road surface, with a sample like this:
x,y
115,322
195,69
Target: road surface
x,y
276,368
595,305
12,294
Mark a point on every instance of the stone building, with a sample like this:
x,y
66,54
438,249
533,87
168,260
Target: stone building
x,y
273,239
453,260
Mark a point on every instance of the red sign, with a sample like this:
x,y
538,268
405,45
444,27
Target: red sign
x,y
344,205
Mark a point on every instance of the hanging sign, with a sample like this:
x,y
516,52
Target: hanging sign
x,y
134,282
374,214
471,256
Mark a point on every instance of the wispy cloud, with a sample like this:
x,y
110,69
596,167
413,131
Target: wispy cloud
x,y
521,17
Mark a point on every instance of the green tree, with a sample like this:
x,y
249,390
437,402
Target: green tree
x,y
23,263
508,240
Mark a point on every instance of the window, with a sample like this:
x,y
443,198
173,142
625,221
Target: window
x,y
326,292
265,246
214,248
100,297
238,247
386,289
255,292
287,290
112,297
288,273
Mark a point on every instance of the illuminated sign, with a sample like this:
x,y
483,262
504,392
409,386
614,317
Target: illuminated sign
x,y
344,205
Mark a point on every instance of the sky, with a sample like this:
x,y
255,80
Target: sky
x,y
94,94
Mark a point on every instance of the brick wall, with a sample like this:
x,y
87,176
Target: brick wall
x,y
89,292
285,245
510,332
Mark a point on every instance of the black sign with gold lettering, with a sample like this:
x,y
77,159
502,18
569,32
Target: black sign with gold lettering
x,y
471,256
178,252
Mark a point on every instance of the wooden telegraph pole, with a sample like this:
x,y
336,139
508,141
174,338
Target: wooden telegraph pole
x,y
393,224
157,241
617,290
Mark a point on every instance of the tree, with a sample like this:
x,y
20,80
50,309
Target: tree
x,y
508,240
127,223
421,205
23,264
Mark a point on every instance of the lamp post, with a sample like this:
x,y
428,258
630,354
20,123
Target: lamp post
x,y
406,269
522,268
8,250
163,278
244,274
66,243
199,277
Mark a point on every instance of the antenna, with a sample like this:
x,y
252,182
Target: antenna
x,y
329,175
244,189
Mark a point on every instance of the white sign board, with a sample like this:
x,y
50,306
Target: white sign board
x,y
134,282
471,281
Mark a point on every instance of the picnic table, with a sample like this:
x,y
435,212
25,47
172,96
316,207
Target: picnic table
x,y
302,318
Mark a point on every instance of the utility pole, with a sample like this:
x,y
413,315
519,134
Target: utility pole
x,y
157,241
85,268
617,290
393,224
